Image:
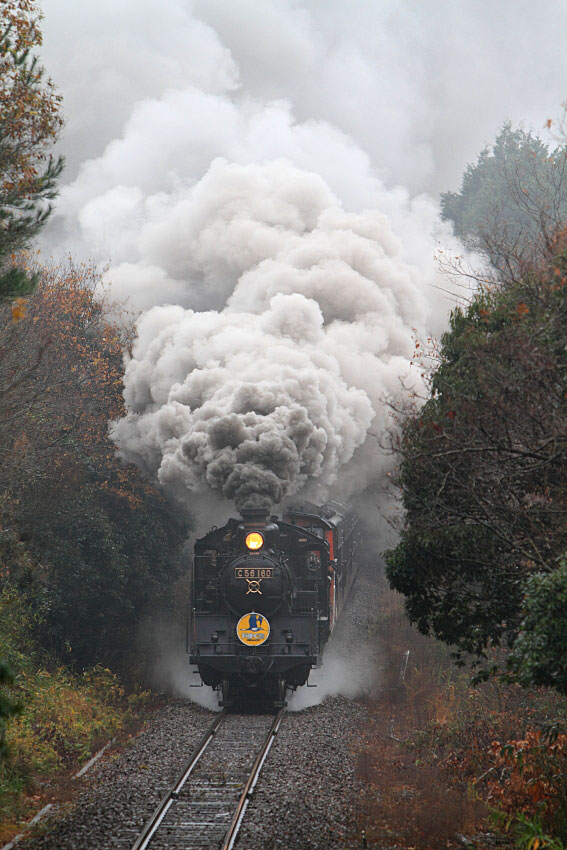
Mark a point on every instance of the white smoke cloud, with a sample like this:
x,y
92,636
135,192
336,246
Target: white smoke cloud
x,y
254,173
273,394
420,85
404,93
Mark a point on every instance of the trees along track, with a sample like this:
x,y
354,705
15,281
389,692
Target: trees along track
x,y
205,807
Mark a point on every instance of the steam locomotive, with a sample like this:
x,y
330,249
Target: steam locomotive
x,y
265,596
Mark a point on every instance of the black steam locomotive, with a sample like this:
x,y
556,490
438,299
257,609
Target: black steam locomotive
x,y
266,594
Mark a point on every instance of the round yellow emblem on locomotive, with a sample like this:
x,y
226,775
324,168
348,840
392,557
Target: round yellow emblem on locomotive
x,y
253,629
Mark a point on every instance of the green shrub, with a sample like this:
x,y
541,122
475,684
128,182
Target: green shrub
x,y
62,716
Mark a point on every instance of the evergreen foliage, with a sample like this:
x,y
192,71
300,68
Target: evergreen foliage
x,y
539,655
30,122
484,471
512,201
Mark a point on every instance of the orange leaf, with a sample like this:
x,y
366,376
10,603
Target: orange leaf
x,y
19,309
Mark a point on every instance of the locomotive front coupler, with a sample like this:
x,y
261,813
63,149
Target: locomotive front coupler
x,y
253,664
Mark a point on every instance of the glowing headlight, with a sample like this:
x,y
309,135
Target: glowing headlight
x,y
254,540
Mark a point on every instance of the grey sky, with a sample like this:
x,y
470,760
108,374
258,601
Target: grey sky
x,y
419,85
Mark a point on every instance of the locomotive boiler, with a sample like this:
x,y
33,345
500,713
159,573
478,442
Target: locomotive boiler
x,y
265,596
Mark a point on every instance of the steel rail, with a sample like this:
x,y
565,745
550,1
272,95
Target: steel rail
x,y
234,827
152,825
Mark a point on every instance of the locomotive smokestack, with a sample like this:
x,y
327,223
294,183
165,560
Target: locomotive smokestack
x,y
255,516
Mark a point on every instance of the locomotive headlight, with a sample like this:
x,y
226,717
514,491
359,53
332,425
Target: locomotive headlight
x,y
254,541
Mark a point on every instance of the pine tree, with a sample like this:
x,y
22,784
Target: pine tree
x,y
30,122
512,201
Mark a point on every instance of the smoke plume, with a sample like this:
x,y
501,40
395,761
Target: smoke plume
x,y
252,173
276,393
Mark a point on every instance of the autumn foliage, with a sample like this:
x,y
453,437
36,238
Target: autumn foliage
x,y
30,122
103,542
528,785
29,105
535,768
90,551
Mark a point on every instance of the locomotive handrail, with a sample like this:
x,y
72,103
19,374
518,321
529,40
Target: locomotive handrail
x,y
187,627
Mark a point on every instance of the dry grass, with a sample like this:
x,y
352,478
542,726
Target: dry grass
x,y
429,742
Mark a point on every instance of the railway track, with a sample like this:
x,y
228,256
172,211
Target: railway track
x,y
205,807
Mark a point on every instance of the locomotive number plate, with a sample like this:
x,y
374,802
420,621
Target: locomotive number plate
x,y
253,572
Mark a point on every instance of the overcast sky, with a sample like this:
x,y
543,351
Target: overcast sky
x,y
420,85
402,91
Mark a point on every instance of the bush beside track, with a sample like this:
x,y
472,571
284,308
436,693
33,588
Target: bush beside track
x,y
61,717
